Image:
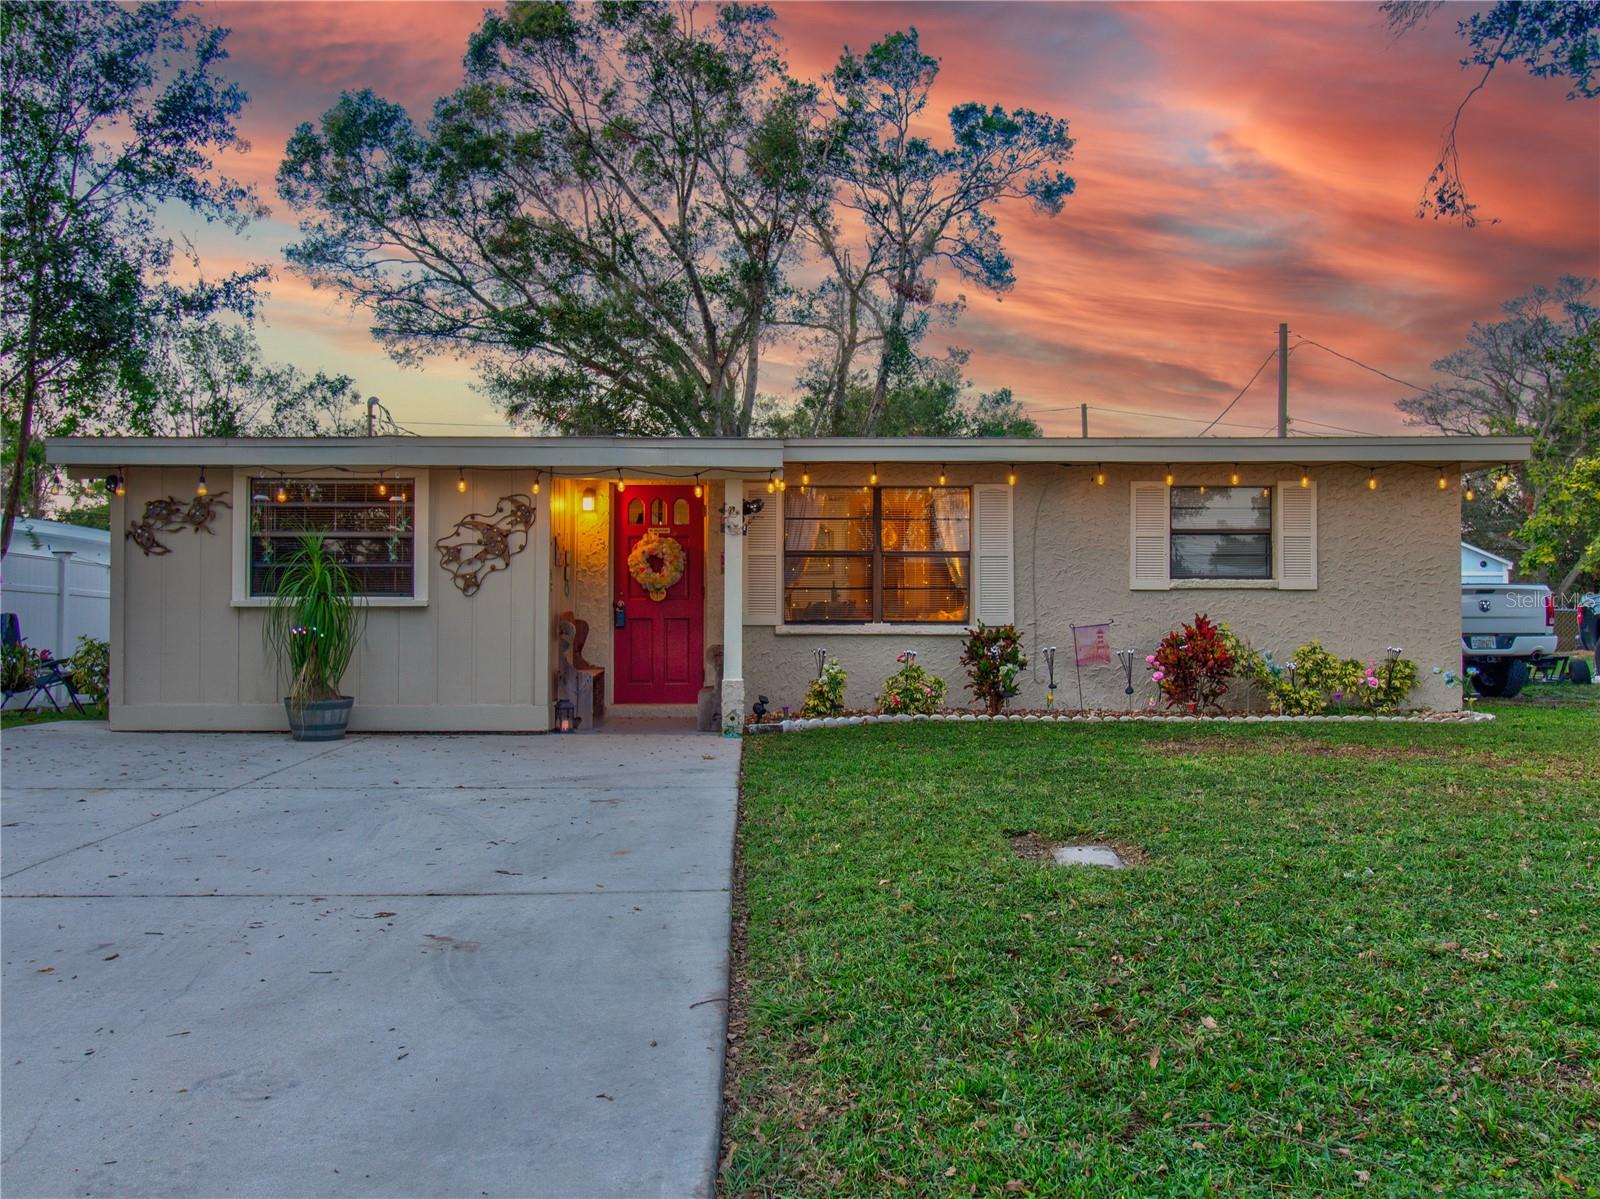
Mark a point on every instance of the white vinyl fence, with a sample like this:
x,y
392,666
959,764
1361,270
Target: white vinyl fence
x,y
57,579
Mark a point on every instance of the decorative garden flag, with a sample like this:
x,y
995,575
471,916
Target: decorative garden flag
x,y
1091,644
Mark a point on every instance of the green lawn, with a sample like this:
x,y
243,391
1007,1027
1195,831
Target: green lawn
x,y
13,718
1359,959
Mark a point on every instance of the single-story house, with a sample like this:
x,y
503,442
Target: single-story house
x,y
758,552
1480,566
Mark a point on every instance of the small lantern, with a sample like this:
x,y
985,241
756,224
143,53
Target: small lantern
x,y
566,716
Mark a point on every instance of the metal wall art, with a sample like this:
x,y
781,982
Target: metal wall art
x,y
481,545
173,515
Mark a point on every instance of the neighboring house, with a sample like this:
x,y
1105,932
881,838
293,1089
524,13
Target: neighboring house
x,y
56,578
1480,566
864,547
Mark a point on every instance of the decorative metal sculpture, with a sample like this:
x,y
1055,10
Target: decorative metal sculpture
x,y
173,515
482,544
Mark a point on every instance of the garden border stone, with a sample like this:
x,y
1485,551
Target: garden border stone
x,y
804,724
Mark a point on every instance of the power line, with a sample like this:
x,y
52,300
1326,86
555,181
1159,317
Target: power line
x,y
1240,396
1357,362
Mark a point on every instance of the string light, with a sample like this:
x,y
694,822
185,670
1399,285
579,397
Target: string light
x,y
772,484
1099,476
461,481
782,486
699,488
1234,477
1170,476
282,494
383,488
873,481
535,482
805,477
1443,482
200,488
1471,495
55,484
622,484
941,474
1372,480
1305,479
1011,475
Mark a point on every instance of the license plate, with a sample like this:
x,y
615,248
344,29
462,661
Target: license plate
x,y
1483,643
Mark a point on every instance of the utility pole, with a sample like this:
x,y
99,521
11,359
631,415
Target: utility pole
x,y
1083,410
1283,380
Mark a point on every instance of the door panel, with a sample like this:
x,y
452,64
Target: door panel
x,y
660,649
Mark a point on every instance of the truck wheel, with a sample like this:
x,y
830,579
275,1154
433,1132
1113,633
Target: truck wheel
x,y
1502,680
1578,672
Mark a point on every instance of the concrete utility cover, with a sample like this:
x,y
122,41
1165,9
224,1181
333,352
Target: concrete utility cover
x,y
1087,855
390,966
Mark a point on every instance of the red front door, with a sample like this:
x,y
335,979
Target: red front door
x,y
658,648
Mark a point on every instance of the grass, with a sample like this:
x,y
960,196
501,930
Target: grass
x,y
11,718
1360,959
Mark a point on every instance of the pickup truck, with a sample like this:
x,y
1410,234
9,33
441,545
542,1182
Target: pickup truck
x,y
1503,627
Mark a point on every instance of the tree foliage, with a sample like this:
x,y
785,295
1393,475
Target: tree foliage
x,y
603,212
910,206
611,213
1531,374
1552,39
109,111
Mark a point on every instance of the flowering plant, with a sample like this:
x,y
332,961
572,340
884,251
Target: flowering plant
x,y
911,689
1192,665
825,695
993,658
21,666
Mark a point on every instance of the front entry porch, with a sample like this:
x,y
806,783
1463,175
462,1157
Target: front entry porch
x,y
646,580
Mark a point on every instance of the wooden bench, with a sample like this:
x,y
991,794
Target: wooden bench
x,y
578,679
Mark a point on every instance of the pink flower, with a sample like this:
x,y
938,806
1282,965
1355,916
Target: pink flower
x,y
1150,659
1158,676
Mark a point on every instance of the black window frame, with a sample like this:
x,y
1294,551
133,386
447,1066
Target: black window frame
x,y
1269,534
877,556
262,491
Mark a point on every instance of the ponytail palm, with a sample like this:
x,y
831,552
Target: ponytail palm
x,y
314,621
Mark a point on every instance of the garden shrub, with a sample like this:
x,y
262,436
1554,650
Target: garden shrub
x,y
825,695
911,690
91,670
1192,665
20,666
1313,680
993,658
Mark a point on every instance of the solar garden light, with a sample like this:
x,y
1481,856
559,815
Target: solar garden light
x,y
1126,657
1049,653
821,655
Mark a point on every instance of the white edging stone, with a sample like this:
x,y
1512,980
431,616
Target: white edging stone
x,y
803,724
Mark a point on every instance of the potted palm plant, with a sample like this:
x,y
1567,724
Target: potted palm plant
x,y
313,625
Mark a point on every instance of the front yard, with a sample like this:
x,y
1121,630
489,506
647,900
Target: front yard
x,y
1356,959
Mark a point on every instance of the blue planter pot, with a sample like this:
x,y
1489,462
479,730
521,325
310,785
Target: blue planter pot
x,y
320,719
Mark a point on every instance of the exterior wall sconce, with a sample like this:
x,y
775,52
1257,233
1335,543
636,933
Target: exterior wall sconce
x,y
587,502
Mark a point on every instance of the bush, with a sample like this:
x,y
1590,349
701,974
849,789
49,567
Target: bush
x,y
91,670
911,689
825,695
1192,665
993,658
1314,679
20,666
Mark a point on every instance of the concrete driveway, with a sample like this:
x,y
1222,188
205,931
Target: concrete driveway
x,y
396,966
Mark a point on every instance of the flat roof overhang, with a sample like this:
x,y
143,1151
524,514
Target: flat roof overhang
x,y
731,455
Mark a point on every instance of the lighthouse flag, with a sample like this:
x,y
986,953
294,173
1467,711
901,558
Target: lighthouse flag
x,y
1091,644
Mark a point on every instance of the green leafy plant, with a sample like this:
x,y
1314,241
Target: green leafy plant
x,y
21,666
91,670
315,621
993,658
1193,665
911,690
825,695
1313,680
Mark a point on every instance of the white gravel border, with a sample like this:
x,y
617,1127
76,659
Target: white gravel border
x,y
802,725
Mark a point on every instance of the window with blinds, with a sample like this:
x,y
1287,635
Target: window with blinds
x,y
858,555
368,525
1221,532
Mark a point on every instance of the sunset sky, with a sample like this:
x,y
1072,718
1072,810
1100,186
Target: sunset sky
x,y
1237,165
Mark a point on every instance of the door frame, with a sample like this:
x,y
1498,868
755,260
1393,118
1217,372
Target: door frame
x,y
699,508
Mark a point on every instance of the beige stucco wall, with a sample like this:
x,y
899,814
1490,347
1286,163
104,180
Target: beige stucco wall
x,y
185,657
1388,574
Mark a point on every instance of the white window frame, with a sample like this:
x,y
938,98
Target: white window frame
x,y
1281,580
421,540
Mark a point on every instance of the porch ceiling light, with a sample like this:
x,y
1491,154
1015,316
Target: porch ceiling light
x,y
587,502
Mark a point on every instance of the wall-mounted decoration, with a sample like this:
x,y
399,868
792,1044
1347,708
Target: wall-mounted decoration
x,y
736,520
173,515
482,544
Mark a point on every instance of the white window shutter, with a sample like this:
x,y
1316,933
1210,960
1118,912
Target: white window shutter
x,y
1297,536
993,573
1149,530
763,563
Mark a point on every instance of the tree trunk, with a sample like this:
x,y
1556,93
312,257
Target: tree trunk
x,y
24,443
891,341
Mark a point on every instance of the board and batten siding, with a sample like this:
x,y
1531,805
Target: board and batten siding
x,y
184,656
